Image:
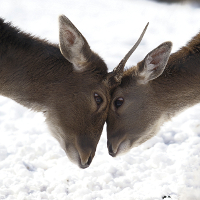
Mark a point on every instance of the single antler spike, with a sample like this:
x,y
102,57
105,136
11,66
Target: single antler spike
x,y
119,69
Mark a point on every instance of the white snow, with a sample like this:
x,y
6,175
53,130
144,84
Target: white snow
x,y
32,164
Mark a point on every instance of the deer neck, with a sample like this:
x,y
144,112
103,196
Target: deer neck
x,y
179,86
27,66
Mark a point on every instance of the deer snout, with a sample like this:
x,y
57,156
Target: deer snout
x,y
85,158
117,145
110,149
86,152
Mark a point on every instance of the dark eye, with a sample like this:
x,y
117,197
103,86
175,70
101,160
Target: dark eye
x,y
98,99
118,102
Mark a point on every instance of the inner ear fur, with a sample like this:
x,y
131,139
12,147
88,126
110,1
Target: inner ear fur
x,y
154,63
73,45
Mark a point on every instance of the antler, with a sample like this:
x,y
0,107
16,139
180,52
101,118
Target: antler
x,y
118,71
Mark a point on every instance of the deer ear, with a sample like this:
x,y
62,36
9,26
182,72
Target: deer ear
x,y
154,63
73,45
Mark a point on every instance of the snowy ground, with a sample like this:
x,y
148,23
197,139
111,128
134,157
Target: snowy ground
x,y
34,167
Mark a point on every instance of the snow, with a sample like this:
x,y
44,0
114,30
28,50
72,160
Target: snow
x,y
32,164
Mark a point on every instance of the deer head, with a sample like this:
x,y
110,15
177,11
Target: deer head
x,y
77,107
133,116
69,84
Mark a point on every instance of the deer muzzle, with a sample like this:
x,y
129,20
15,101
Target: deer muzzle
x,y
118,145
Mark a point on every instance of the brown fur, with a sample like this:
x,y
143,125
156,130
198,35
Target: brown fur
x,y
147,105
35,73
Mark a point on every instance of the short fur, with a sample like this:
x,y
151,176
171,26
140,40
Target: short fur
x,y
147,106
35,73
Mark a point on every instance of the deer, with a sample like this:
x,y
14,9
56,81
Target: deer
x,y
68,82
159,87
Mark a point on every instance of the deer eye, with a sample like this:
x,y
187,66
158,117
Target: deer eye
x,y
98,99
118,102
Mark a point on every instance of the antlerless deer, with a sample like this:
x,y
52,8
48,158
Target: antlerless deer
x,y
152,92
70,85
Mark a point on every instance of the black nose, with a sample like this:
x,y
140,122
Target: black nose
x,y
89,160
86,164
110,150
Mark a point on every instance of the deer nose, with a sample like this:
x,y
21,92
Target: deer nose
x,y
86,164
113,144
110,149
86,152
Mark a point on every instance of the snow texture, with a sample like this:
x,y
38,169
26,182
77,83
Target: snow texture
x,y
32,164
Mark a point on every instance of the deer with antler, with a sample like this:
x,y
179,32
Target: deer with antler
x,y
150,93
